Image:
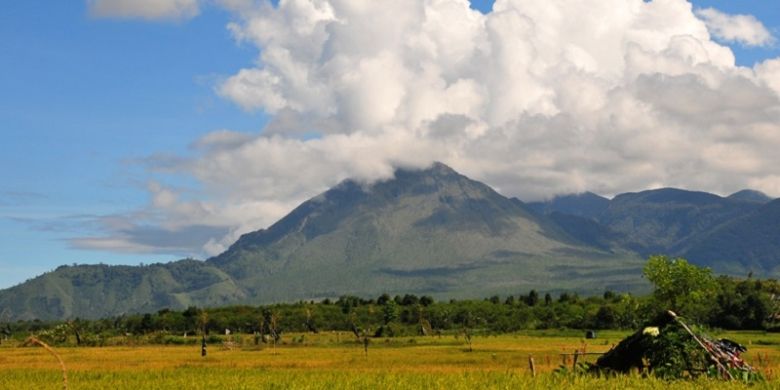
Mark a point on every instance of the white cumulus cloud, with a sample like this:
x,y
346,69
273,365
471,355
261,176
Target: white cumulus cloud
x,y
535,98
744,29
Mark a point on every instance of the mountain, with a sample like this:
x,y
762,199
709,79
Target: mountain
x,y
90,291
429,231
674,222
749,243
589,231
751,196
432,231
665,220
586,204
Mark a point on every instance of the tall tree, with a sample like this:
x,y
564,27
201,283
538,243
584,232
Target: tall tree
x,y
680,286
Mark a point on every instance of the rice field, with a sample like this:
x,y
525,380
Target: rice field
x,y
336,360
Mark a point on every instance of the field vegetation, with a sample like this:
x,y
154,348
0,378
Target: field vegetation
x,y
396,342
719,303
338,360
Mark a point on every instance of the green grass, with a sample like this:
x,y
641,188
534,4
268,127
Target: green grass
x,y
231,378
336,361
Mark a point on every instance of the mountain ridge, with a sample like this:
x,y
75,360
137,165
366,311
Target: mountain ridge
x,y
434,211
430,231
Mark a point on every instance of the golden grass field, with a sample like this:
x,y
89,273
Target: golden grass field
x,y
332,360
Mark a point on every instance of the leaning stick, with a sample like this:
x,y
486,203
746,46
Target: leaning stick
x,y
701,344
33,340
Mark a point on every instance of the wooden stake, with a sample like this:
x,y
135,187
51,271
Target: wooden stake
x,y
576,357
722,369
531,366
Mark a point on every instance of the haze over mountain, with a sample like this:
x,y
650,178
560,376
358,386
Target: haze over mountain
x,y
431,231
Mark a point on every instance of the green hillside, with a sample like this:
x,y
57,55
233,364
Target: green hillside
x,y
748,244
732,235
664,220
92,291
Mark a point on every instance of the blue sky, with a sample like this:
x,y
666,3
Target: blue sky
x,y
84,100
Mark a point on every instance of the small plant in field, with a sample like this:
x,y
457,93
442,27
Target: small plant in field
x,y
269,328
423,325
309,320
75,327
466,332
5,331
467,336
273,327
203,320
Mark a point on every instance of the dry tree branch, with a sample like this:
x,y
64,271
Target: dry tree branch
x,y
33,340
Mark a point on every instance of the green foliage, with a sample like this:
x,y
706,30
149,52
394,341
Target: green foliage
x,y
606,317
389,312
681,287
738,304
533,298
675,354
56,335
745,304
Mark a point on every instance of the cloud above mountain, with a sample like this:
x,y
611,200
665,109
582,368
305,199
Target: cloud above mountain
x,y
144,9
535,98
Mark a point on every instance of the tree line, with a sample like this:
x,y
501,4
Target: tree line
x,y
691,291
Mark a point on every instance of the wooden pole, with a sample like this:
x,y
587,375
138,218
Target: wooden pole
x,y
723,369
531,365
576,357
